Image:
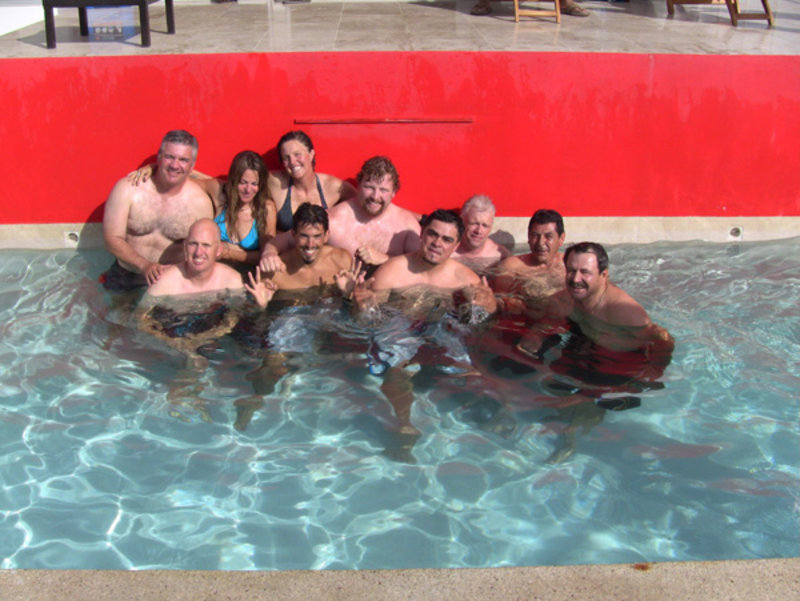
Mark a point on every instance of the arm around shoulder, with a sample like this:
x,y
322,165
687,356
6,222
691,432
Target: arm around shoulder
x,y
167,284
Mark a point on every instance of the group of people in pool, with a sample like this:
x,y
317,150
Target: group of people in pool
x,y
312,235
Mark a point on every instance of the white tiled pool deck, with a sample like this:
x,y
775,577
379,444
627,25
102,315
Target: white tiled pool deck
x,y
639,26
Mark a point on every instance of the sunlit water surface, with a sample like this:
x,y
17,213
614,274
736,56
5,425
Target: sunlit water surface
x,y
100,470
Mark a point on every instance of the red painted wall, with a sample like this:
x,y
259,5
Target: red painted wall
x,y
589,134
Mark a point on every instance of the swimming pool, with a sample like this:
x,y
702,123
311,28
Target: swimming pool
x,y
100,471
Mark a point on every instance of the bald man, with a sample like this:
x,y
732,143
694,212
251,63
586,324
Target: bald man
x,y
190,305
199,271
180,306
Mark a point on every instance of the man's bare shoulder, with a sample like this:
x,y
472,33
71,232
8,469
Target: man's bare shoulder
x,y
124,191
490,250
342,213
228,276
339,257
169,282
193,189
386,276
622,309
461,273
403,217
514,263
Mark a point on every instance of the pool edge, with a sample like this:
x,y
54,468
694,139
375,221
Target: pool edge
x,y
753,580
507,230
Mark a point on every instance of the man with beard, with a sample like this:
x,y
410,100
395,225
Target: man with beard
x,y
428,288
313,270
476,250
144,225
310,265
369,226
611,348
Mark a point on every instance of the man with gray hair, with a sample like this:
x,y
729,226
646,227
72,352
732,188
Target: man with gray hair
x,y
144,225
476,250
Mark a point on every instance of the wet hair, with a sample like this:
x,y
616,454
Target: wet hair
x,y
544,216
445,216
179,136
297,135
592,248
247,159
376,168
308,214
480,203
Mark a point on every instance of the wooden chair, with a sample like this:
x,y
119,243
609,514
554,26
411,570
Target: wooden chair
x,y
537,12
733,10
82,5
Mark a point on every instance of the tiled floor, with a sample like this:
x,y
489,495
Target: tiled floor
x,y
640,26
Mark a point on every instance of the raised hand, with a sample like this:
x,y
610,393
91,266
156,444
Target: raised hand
x,y
348,279
262,290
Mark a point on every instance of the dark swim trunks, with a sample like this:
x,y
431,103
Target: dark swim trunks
x,y
119,279
177,325
595,365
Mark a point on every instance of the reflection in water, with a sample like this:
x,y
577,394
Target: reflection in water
x,y
88,442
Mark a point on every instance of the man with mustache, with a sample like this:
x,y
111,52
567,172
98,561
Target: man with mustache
x,y
609,348
144,225
310,264
529,284
605,313
424,291
313,269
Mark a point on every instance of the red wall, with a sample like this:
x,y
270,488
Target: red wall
x,y
589,134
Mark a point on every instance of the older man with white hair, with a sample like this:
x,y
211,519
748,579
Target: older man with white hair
x,y
477,250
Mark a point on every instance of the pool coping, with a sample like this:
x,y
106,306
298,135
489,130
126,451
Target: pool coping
x,y
751,580
507,231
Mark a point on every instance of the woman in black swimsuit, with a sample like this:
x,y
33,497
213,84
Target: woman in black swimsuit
x,y
299,182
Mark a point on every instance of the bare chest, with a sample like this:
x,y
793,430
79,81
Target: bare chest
x,y
170,218
383,237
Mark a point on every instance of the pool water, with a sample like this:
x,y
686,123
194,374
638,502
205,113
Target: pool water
x,y
99,469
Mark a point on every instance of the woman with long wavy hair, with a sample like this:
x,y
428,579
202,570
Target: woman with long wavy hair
x,y
245,216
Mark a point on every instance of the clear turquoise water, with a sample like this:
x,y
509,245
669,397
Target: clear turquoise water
x,y
97,473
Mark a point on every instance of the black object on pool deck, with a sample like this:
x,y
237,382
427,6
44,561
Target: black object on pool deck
x,y
82,5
